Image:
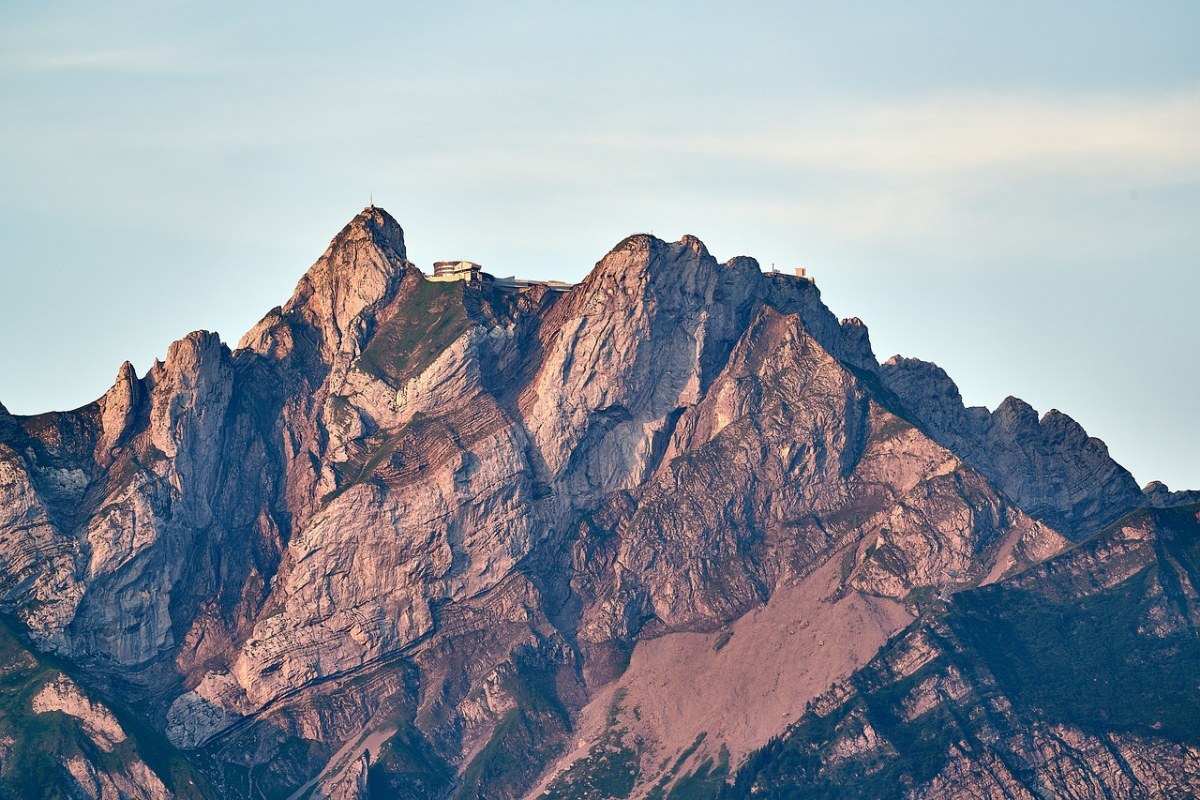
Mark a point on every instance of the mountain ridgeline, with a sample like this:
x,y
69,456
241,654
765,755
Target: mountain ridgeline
x,y
672,533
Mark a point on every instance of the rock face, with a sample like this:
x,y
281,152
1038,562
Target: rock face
x,y
430,539
57,740
1048,466
99,724
1158,495
1068,680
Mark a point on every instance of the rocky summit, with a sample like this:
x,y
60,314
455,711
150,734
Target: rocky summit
x,y
673,532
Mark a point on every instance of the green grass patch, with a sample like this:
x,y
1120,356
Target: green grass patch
x,y
658,791
524,740
609,770
1087,663
43,741
431,319
706,782
407,767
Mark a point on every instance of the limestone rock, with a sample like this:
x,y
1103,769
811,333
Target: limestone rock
x,y
1049,466
136,782
1159,495
61,694
456,523
117,408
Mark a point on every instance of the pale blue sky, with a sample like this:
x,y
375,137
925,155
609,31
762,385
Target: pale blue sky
x,y
1011,190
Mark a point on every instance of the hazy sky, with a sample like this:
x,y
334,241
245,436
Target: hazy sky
x,y
1011,189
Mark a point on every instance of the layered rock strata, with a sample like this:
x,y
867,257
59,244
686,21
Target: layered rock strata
x,y
433,539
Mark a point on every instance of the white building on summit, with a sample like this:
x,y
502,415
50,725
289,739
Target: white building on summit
x,y
467,271
470,272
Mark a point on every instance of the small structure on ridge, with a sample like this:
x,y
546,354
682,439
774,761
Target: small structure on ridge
x,y
467,271
470,272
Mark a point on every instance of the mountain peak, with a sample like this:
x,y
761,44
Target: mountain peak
x,y
377,226
695,244
360,271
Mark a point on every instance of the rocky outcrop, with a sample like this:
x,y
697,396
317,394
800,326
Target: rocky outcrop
x,y
59,740
1048,466
1159,495
423,535
38,577
61,694
97,783
361,270
94,776
986,698
117,409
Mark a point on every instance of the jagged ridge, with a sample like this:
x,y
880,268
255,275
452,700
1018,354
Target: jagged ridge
x,y
413,535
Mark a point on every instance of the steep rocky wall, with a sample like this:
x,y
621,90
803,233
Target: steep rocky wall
x,y
467,519
1048,466
1073,679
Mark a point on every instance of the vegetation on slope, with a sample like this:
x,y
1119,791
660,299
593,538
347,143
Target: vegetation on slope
x,y
432,317
1118,659
34,747
610,769
530,735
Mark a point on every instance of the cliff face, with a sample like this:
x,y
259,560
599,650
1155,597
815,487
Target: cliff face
x,y
429,539
1049,466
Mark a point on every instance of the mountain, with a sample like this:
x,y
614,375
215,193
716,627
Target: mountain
x,y
670,533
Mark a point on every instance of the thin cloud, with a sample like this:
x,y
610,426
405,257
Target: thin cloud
x,y
962,133
942,145
121,60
